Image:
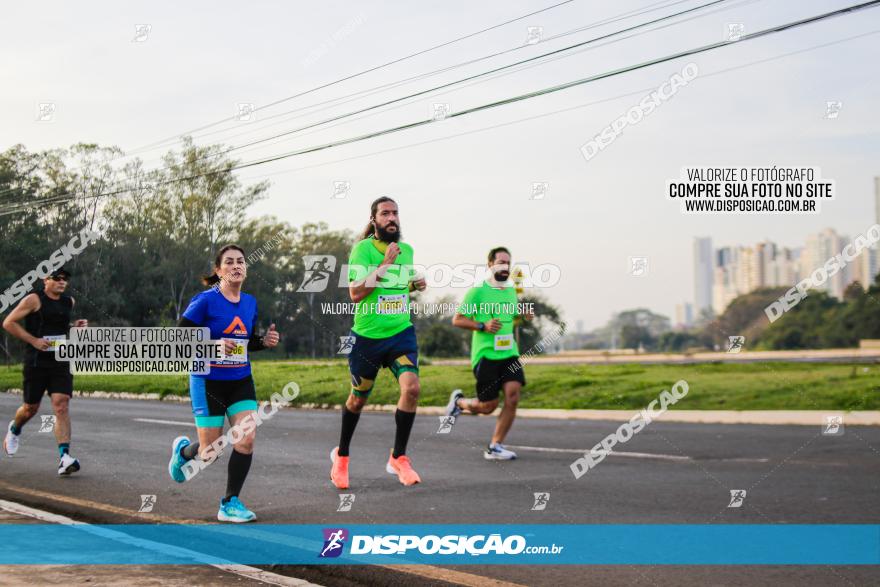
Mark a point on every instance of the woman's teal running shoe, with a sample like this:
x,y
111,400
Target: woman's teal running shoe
x,y
175,465
234,511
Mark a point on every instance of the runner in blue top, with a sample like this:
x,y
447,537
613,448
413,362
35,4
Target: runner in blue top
x,y
227,391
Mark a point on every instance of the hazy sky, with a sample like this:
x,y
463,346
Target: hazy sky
x,y
462,195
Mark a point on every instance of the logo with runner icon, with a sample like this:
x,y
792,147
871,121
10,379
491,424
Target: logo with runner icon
x,y
446,424
541,501
346,344
346,500
148,502
334,541
319,268
737,498
47,423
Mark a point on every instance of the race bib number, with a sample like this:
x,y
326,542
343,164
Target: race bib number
x,y
395,304
238,354
54,341
503,342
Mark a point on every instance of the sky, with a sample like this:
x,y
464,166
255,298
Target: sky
x,y
464,185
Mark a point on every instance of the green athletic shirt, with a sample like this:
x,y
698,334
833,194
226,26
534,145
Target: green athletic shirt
x,y
385,311
483,303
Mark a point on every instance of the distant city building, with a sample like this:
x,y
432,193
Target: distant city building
x,y
684,315
740,270
869,265
877,200
737,270
703,275
865,268
725,279
782,268
820,247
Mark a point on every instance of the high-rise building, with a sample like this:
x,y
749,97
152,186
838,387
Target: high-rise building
x,y
749,275
782,270
865,267
877,200
764,254
821,247
684,315
739,270
870,261
703,275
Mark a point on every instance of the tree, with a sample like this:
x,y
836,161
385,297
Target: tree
x,y
636,337
199,202
547,324
632,328
437,336
744,316
442,339
678,341
316,319
805,326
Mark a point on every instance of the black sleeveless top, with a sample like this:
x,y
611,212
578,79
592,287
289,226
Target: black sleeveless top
x,y
52,318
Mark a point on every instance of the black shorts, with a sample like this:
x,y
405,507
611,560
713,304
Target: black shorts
x,y
53,379
399,353
213,399
493,374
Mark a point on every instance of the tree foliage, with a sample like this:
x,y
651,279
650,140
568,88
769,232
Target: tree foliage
x,y
160,231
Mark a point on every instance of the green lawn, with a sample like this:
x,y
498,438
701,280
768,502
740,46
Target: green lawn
x,y
754,386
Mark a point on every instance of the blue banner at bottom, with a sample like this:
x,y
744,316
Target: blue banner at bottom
x,y
447,544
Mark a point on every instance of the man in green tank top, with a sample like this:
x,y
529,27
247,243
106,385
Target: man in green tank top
x,y
490,310
381,278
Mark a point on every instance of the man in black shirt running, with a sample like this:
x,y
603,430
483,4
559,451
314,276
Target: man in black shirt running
x,y
46,316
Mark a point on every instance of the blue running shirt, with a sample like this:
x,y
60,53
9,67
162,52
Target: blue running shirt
x,y
209,309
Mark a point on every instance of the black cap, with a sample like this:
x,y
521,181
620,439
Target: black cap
x,y
59,272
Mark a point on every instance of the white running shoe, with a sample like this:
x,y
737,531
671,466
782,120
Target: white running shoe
x,y
67,465
452,409
10,443
497,452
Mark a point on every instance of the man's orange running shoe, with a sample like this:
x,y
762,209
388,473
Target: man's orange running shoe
x,y
402,467
339,469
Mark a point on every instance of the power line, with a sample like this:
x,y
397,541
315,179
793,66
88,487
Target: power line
x,y
513,99
369,70
533,60
468,78
327,104
550,60
555,112
567,85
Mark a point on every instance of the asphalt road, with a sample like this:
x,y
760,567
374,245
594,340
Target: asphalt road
x,y
680,473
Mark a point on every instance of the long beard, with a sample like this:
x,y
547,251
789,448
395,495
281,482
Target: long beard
x,y
501,276
386,236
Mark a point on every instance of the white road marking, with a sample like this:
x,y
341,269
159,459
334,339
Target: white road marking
x,y
613,453
23,510
167,422
639,455
245,571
